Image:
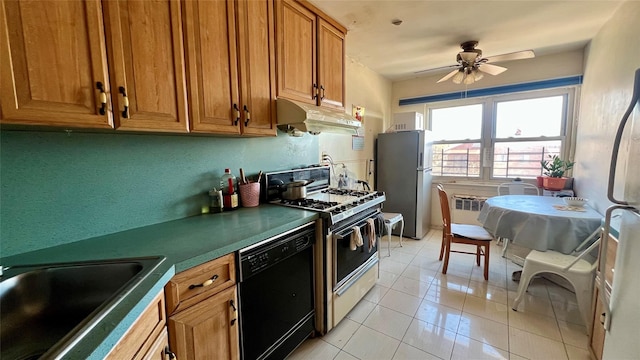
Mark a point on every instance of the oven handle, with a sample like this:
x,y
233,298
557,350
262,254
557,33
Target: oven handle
x,y
348,231
367,265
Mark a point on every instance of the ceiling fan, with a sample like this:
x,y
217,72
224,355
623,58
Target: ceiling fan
x,y
472,66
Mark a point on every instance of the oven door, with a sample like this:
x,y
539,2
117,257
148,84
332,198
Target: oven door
x,y
347,261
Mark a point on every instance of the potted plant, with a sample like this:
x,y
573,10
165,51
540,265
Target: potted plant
x,y
554,171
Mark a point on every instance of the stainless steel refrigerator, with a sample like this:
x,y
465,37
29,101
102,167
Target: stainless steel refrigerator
x,y
621,310
403,172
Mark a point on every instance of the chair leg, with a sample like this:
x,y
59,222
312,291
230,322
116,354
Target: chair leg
x,y
505,243
486,261
446,257
525,278
401,230
478,251
389,229
442,247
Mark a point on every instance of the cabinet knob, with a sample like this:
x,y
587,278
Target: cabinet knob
x,y
125,102
247,116
103,98
206,283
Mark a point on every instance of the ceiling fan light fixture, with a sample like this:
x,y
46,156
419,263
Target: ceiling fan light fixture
x,y
458,77
477,74
469,57
469,79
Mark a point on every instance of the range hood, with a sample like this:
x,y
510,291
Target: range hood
x,y
314,119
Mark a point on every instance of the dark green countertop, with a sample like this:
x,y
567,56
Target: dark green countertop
x,y
184,243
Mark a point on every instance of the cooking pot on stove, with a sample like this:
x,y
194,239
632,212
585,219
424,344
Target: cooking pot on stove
x,y
295,189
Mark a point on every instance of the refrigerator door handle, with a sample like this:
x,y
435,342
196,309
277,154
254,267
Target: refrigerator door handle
x,y
635,98
420,161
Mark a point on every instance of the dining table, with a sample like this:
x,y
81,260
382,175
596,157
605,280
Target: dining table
x,y
539,222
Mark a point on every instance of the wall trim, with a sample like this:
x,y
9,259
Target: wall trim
x,y
497,90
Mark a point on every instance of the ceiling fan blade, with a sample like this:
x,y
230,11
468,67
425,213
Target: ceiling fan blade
x,y
491,69
449,75
519,55
436,69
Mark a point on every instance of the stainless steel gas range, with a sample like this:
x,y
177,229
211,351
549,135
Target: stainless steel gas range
x,y
344,271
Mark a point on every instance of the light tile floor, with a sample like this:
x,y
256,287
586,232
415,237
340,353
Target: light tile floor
x,y
416,312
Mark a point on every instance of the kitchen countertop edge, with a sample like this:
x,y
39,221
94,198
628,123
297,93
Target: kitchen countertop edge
x,y
195,242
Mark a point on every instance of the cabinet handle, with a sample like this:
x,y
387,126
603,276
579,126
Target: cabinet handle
x,y
322,88
204,284
233,321
125,102
602,318
103,98
315,91
237,113
171,354
233,306
247,117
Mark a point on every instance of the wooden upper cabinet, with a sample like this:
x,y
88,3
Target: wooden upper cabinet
x,y
256,47
52,58
331,66
296,36
311,50
231,81
146,59
212,66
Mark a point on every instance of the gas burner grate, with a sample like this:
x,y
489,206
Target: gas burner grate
x,y
310,203
348,192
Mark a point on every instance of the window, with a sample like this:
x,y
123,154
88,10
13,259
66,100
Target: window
x,y
458,131
502,136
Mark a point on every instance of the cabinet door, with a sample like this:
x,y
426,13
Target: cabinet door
x,y
160,349
52,56
256,47
331,67
207,330
147,64
212,61
296,37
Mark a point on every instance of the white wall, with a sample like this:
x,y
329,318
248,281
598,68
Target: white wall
x,y
610,61
369,89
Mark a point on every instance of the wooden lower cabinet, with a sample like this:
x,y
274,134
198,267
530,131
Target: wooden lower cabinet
x,y
598,332
147,337
207,330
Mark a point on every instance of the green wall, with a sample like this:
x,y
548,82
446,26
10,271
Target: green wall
x,y
59,187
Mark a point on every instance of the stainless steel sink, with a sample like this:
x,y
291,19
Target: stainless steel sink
x,y
46,309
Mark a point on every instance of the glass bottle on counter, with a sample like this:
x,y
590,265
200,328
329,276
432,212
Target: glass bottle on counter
x,y
228,185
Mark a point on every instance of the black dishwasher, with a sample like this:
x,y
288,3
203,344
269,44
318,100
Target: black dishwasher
x,y
276,294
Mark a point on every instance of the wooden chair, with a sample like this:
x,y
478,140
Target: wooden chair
x,y
463,234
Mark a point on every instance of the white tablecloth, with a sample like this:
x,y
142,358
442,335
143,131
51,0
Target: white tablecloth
x,y
533,222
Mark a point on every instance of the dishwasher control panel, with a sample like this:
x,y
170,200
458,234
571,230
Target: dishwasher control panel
x,y
272,252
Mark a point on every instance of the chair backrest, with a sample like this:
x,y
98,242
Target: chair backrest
x,y
517,188
585,252
444,206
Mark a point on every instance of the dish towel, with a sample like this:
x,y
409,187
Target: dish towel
x,y
370,231
356,238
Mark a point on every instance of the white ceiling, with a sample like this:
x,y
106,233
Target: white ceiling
x,y
431,31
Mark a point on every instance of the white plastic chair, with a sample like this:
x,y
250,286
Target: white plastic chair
x,y
579,273
516,187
